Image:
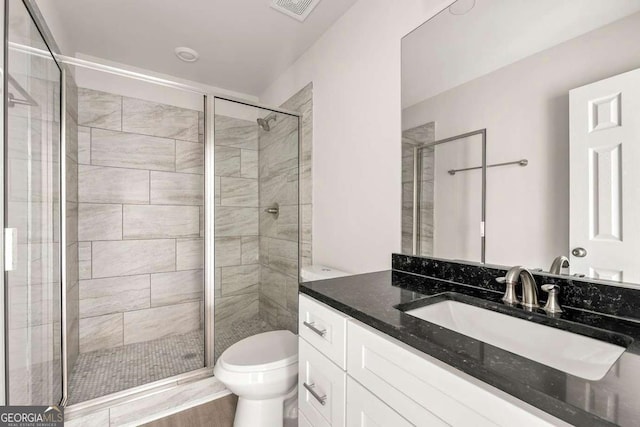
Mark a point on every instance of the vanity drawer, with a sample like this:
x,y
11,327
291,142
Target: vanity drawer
x,y
321,387
302,420
364,409
324,328
418,386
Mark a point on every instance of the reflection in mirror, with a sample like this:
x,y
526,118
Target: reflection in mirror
x,y
556,85
443,193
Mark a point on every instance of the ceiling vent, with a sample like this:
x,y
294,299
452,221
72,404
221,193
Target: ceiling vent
x,y
298,9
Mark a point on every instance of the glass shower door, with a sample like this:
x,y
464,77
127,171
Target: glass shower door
x,y
256,221
32,215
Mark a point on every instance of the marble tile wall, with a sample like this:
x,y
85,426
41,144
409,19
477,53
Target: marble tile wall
x,y
302,102
141,197
279,238
285,178
72,267
237,224
410,138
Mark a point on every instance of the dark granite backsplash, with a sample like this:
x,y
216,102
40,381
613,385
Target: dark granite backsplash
x,y
577,293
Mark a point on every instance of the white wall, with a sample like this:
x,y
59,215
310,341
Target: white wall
x,y
525,108
505,31
355,70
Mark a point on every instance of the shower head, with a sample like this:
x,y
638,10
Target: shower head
x,y
264,123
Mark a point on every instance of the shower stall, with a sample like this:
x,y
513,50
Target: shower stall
x,y
148,224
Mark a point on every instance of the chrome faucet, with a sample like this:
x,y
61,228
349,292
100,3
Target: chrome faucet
x,y
529,287
558,264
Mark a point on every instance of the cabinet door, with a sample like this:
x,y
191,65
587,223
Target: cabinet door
x,y
303,421
321,387
365,410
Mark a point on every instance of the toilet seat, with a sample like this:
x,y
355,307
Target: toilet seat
x,y
262,352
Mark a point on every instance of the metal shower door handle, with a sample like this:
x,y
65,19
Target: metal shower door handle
x,y
579,252
10,249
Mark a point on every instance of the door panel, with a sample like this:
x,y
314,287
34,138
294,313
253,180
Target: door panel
x,y
32,214
604,198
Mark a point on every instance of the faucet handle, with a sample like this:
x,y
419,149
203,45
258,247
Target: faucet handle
x,y
552,306
510,292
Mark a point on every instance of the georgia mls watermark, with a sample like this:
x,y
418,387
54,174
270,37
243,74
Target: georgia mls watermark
x,y
31,416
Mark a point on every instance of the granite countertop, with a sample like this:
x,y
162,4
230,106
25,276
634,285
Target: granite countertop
x,y
372,299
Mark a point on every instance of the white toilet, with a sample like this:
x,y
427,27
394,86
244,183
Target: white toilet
x,y
262,371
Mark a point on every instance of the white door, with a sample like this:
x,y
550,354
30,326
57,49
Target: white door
x,y
605,178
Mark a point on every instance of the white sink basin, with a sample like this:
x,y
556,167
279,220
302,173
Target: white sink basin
x,y
571,353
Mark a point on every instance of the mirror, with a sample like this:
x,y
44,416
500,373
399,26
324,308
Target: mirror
x,y
555,87
449,174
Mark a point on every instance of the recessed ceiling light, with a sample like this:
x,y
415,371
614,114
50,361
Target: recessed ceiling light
x,y
187,54
462,7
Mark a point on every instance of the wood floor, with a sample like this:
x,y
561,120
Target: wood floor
x,y
218,413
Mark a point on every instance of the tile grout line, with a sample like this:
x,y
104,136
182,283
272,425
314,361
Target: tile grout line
x,y
151,307
91,125
121,113
166,171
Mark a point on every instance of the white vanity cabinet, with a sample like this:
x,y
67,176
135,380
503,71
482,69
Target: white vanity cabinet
x,y
365,410
353,375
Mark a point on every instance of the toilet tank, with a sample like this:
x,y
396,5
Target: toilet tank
x,y
320,272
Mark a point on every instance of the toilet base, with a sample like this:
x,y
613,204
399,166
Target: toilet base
x,y
266,413
259,413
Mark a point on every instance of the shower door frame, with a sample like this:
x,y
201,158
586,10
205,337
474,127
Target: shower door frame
x,y
209,97
3,130
52,48
209,221
417,188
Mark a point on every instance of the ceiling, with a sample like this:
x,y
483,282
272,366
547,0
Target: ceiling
x,y
450,50
243,44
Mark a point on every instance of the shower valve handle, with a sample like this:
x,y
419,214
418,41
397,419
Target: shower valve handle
x,y
273,210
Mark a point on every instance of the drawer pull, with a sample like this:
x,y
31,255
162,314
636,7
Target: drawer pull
x,y
310,388
312,326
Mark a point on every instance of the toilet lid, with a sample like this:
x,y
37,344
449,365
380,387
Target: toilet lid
x,y
262,352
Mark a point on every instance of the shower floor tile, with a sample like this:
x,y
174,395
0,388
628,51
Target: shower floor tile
x,y
103,372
